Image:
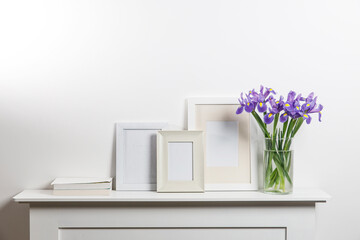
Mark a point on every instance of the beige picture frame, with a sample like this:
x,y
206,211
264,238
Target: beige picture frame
x,y
229,164
180,161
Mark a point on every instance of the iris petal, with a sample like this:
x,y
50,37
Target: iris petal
x,y
308,121
307,118
268,118
291,96
284,117
261,107
240,110
311,96
289,106
249,107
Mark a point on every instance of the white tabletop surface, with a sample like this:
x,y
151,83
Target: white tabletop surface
x,y
299,195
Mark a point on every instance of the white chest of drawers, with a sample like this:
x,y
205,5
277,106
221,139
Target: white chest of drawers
x,y
173,216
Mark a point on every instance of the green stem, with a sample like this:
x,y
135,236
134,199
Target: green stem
x,y
280,172
289,133
281,168
268,170
282,184
261,124
288,157
273,178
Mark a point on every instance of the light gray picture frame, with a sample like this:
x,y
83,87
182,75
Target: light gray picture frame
x,y
136,155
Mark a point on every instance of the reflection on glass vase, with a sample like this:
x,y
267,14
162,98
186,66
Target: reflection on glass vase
x,y
278,166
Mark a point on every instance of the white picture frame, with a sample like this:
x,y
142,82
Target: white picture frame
x,y
222,171
136,155
180,161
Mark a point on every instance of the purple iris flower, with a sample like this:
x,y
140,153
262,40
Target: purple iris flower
x,y
310,103
280,104
314,110
307,106
310,106
276,107
245,103
277,104
292,101
293,109
260,99
292,106
261,106
242,104
295,106
253,96
268,91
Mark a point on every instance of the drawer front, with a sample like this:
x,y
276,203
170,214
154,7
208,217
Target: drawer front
x,y
172,233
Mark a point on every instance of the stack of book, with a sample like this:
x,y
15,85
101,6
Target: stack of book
x,y
82,186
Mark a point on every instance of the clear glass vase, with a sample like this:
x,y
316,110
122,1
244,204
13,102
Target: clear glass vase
x,y
278,166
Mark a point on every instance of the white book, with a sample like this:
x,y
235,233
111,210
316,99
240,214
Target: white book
x,y
82,183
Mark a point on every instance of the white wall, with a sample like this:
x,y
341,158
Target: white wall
x,y
70,69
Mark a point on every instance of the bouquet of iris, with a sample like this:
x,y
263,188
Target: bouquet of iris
x,y
278,152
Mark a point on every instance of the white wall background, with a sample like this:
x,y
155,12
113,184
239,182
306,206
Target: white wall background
x,y
70,69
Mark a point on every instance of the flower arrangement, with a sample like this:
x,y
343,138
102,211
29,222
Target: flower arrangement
x,y
292,112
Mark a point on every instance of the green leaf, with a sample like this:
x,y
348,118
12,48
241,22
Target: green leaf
x,y
280,141
299,122
261,124
276,120
284,128
273,144
290,128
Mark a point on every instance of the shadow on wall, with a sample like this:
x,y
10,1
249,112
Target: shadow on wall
x,y
186,114
113,158
14,221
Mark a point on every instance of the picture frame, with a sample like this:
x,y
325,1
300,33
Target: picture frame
x,y
180,161
229,162
136,155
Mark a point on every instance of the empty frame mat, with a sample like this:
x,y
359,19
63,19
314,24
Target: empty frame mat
x,y
136,156
180,161
139,156
227,144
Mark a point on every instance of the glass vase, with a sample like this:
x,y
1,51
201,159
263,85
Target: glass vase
x,y
278,166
